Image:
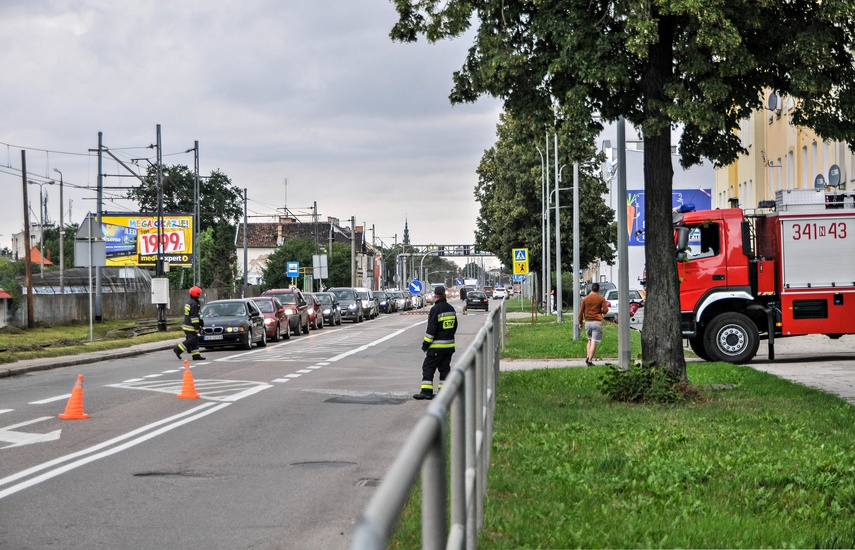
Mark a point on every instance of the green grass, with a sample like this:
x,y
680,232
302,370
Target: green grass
x,y
546,339
20,344
765,464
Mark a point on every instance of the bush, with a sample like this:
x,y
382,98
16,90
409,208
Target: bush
x,y
642,383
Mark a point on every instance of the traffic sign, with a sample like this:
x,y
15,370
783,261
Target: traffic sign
x,y
520,261
292,269
416,287
519,278
458,282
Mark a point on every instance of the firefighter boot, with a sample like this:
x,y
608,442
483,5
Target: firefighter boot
x,y
177,350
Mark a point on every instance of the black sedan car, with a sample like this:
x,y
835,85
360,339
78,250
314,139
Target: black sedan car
x,y
331,308
475,299
232,323
387,303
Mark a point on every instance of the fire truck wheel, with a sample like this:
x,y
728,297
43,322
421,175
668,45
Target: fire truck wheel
x,y
731,337
697,345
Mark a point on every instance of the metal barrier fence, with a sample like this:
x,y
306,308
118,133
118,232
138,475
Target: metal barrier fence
x,y
469,392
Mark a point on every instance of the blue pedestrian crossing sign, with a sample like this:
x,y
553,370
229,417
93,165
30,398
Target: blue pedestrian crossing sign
x,y
520,261
292,269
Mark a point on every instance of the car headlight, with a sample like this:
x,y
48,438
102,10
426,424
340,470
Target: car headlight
x,y
290,311
352,306
326,311
268,322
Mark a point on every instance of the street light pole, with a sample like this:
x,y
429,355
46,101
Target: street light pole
x,y
558,307
543,209
61,237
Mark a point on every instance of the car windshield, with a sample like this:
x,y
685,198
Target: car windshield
x,y
612,295
380,295
476,294
266,306
345,294
324,298
363,295
226,309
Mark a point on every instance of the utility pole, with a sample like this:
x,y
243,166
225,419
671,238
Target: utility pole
x,y
159,267
61,237
558,285
353,251
31,322
245,250
99,307
197,256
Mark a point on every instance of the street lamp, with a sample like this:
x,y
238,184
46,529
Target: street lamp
x,y
61,237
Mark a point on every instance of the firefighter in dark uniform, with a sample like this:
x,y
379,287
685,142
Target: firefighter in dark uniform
x,y
438,343
192,327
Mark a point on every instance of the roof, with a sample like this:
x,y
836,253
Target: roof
x,y
4,295
36,257
272,235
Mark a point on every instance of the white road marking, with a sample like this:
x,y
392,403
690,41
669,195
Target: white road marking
x,y
176,421
50,399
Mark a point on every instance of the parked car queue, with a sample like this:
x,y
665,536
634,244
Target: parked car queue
x,y
280,313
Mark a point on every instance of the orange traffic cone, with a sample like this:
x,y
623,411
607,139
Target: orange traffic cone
x,y
188,388
74,408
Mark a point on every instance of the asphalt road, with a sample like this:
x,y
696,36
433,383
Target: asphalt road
x,y
281,450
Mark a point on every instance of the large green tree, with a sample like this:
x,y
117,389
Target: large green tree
x,y
220,209
510,194
700,64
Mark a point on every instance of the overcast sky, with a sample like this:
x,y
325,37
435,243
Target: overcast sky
x,y
310,92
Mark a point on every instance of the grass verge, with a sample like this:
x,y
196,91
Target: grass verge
x,y
764,464
21,344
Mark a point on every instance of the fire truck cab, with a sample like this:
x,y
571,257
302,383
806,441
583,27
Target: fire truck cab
x,y
785,269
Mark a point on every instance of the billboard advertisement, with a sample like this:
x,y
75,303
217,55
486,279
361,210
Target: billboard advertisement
x,y
132,239
700,198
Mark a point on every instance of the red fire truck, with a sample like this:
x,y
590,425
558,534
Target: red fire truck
x,y
785,269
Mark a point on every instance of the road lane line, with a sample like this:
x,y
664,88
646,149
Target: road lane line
x,y
50,399
133,433
374,343
86,460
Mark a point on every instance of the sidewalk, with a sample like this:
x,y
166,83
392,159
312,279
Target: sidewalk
x,y
47,363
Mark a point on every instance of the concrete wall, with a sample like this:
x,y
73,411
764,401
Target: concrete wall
x,y
58,309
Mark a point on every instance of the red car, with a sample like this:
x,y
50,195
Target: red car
x,y
316,311
276,319
295,305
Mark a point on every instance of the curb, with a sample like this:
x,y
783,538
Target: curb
x,y
33,365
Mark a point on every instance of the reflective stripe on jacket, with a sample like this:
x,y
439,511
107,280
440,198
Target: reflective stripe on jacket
x,y
442,324
191,315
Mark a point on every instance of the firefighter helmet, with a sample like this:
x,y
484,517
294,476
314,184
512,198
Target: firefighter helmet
x,y
195,292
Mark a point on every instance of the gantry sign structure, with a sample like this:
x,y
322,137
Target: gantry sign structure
x,y
448,249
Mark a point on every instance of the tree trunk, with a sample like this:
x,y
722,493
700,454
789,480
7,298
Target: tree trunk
x,y
661,339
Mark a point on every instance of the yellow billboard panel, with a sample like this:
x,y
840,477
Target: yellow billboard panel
x,y
132,239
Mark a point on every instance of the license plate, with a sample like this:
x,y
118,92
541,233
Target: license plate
x,y
213,337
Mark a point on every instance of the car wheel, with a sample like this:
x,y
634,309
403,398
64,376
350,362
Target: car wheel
x,y
276,333
287,334
338,321
247,344
263,342
306,326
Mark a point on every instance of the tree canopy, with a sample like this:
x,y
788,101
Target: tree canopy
x,y
704,65
510,194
